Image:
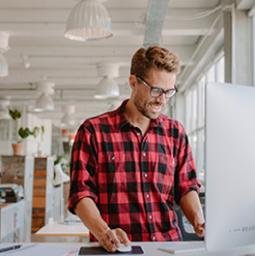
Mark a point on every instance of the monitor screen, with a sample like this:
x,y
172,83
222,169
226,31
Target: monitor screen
x,y
229,166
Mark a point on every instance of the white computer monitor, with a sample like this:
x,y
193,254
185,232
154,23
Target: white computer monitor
x,y
229,166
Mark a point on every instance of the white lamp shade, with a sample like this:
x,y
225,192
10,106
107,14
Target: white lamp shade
x,y
88,20
67,120
68,108
107,88
4,70
44,103
60,176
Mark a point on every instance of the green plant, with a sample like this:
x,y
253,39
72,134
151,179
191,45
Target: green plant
x,y
24,132
15,114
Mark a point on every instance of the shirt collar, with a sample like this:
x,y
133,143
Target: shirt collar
x,y
122,118
121,115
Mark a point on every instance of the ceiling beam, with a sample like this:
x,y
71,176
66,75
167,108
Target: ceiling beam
x,y
119,29
49,4
59,15
65,51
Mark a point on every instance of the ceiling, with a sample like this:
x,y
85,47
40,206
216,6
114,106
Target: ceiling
x,y
36,30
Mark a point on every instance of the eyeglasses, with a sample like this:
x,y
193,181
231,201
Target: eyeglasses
x,y
157,92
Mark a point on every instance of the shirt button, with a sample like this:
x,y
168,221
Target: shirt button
x,y
145,175
154,238
150,217
147,196
113,157
138,134
144,154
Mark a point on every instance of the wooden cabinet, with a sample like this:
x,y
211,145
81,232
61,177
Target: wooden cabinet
x,y
46,198
16,217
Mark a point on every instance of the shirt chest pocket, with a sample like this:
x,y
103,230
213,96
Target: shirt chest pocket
x,y
115,162
165,175
115,171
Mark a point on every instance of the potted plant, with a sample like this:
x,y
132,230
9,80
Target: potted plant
x,y
23,133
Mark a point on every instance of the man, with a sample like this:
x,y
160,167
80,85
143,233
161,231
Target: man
x,y
129,166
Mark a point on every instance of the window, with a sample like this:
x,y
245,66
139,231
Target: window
x,y
195,112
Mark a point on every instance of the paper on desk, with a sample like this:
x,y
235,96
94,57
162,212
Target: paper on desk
x,y
41,250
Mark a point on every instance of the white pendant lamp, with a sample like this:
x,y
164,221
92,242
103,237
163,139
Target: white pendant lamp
x,y
68,118
44,102
88,20
107,87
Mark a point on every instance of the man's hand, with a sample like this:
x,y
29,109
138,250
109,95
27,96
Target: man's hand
x,y
112,238
200,230
108,238
192,209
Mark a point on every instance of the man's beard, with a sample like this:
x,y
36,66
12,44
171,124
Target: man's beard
x,y
143,108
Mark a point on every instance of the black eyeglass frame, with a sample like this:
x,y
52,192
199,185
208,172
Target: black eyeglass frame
x,y
175,90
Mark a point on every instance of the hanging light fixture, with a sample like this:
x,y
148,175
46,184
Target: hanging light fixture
x,y
4,111
4,46
88,20
107,87
44,102
68,118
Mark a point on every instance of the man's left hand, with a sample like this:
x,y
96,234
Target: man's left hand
x,y
200,230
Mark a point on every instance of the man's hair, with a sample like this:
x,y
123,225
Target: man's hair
x,y
155,57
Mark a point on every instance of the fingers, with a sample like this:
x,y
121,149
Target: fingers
x,y
122,236
200,230
112,239
106,241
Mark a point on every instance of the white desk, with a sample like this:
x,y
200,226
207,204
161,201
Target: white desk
x,y
150,249
62,229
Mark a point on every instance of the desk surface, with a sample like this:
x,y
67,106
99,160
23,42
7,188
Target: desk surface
x,y
63,229
151,249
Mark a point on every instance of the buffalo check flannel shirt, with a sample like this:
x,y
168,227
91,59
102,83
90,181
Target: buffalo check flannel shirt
x,y
133,179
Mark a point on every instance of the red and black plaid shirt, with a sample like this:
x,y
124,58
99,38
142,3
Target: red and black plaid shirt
x,y
133,179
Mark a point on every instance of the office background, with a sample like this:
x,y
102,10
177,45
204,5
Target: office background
x,y
214,39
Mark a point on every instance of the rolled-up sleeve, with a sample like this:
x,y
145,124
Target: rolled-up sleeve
x,y
83,167
185,174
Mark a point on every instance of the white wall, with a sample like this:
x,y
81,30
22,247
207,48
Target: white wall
x,y
5,147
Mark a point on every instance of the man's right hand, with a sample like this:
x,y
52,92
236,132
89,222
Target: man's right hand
x,y
108,238
112,238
